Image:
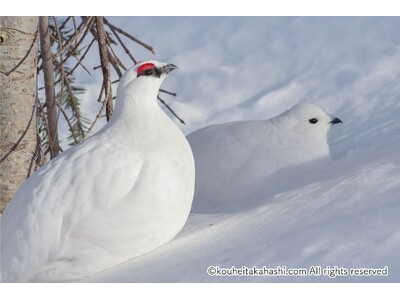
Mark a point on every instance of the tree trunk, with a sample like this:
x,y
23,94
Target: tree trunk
x,y
18,68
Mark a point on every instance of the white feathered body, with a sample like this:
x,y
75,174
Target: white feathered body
x,y
118,195
235,159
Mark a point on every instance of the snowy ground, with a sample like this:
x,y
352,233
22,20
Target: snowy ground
x,y
344,213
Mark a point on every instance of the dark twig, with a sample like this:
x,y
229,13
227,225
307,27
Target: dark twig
x,y
101,92
82,65
43,117
167,92
71,128
62,66
64,23
40,158
115,66
73,38
75,28
116,58
110,39
111,57
79,63
148,47
105,65
171,110
122,44
59,36
48,69
98,116
71,52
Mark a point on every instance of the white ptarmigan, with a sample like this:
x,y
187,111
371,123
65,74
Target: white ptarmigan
x,y
120,194
233,160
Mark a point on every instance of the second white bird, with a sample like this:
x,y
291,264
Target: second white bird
x,y
233,159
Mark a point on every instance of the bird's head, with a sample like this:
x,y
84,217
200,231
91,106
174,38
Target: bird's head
x,y
309,120
139,86
147,73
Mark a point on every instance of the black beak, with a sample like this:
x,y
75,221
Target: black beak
x,y
336,121
168,68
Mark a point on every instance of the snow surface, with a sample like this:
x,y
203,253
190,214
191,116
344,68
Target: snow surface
x,y
345,214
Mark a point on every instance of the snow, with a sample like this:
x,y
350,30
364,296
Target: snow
x,y
344,214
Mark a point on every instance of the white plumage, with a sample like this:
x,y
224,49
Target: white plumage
x,y
121,193
234,160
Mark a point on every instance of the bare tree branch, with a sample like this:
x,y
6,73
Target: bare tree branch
x,y
122,44
42,114
79,63
60,53
171,110
64,23
75,28
101,92
105,66
65,81
82,65
87,28
39,156
71,128
51,107
69,43
117,60
74,37
129,36
167,92
110,39
98,116
111,58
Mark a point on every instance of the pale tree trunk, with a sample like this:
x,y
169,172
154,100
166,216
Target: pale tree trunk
x,y
18,68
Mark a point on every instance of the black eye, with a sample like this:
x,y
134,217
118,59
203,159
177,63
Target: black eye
x,y
313,121
148,72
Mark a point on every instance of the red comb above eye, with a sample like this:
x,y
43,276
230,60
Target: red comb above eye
x,y
144,67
